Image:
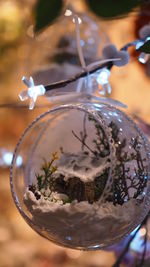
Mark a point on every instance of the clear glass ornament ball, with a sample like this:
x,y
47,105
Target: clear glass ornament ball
x,y
83,178
59,58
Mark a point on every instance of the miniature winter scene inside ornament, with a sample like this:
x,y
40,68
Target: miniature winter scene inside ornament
x,y
84,178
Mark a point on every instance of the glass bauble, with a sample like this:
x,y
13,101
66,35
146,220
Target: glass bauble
x,y
84,179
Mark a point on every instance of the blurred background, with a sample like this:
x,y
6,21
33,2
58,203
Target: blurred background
x,y
23,54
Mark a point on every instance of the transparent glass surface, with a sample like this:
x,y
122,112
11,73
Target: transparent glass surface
x,y
83,179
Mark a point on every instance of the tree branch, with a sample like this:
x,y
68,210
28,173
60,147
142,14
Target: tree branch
x,y
119,260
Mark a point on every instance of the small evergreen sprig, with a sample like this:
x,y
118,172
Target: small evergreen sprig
x,y
45,180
